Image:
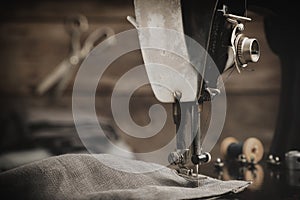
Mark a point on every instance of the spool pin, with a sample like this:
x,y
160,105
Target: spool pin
x,y
252,148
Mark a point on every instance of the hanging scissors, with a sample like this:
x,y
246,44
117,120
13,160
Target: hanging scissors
x,y
63,72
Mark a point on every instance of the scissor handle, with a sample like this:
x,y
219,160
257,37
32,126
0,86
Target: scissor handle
x,y
76,24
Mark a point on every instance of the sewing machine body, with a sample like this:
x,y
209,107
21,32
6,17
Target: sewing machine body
x,y
217,26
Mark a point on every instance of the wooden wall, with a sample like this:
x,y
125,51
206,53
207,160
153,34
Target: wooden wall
x,y
34,40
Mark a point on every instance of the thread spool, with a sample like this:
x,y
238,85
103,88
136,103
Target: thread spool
x,y
252,148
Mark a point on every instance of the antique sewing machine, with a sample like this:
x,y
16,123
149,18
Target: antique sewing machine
x,y
218,27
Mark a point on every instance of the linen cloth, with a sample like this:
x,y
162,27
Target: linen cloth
x,y
86,176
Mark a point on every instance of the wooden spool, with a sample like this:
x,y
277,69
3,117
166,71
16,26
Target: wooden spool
x,y
252,148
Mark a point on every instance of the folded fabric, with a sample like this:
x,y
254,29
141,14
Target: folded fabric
x,y
86,176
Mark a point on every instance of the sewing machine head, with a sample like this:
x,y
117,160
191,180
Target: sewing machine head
x,y
217,26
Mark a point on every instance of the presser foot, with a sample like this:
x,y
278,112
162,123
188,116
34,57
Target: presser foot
x,y
191,176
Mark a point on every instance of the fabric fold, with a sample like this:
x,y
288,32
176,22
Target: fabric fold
x,y
86,176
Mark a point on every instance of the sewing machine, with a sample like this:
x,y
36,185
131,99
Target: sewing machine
x,y
218,27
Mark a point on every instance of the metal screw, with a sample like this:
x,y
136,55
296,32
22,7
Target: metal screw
x,y
273,160
219,163
242,159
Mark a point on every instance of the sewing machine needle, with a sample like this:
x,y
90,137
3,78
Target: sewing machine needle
x,y
197,172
